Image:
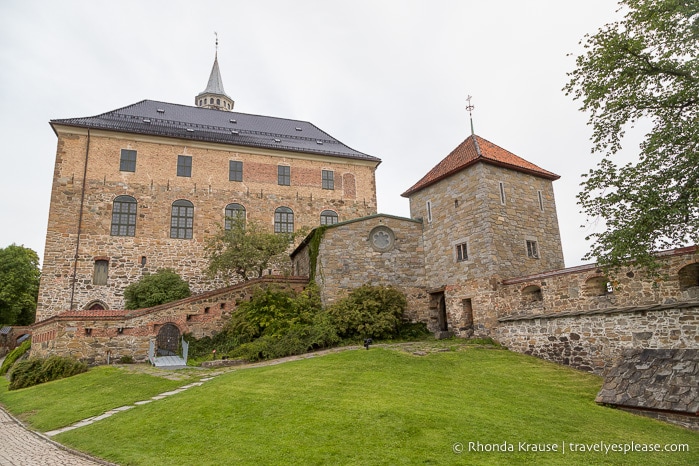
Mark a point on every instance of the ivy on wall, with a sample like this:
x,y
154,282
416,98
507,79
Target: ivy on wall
x,y
314,248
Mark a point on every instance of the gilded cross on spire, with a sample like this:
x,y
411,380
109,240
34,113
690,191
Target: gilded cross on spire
x,y
470,107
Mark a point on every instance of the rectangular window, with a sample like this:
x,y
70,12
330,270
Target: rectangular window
x,y
541,200
502,193
99,276
532,249
184,165
284,175
429,211
127,163
235,170
461,252
328,179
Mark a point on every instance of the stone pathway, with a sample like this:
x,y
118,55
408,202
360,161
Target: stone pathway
x,y
20,446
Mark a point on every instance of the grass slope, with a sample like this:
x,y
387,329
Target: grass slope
x,y
64,402
382,407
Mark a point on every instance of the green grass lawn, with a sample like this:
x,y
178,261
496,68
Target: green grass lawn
x,y
383,406
64,402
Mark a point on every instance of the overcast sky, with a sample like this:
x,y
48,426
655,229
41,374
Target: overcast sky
x,y
386,77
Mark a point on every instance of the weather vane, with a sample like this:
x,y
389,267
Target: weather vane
x,y
470,107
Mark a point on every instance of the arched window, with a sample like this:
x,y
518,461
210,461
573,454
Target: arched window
x,y
328,217
689,276
124,216
598,286
182,219
531,294
233,212
283,220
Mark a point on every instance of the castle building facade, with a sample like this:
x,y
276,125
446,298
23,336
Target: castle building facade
x,y
142,187
480,216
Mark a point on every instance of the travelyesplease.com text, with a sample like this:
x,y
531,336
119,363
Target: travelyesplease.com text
x,y
568,447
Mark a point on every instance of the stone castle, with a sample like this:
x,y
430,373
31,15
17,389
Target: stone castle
x,y
142,187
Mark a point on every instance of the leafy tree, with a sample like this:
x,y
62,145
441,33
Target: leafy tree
x,y
19,285
644,67
245,250
162,287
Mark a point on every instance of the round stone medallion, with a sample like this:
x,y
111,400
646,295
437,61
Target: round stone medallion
x,y
382,238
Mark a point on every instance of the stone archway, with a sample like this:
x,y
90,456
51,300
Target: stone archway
x,y
96,305
168,340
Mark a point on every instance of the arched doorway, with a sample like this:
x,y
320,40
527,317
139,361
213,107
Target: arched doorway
x,y
168,340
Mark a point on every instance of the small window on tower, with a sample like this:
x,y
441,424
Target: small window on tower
x,y
461,252
532,249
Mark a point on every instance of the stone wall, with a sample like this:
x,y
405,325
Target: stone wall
x,y
376,250
155,186
593,340
467,208
99,336
581,318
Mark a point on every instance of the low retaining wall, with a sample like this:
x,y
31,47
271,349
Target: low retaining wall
x,y
103,336
593,340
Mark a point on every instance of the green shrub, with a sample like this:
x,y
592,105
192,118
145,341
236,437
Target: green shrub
x,y
299,339
126,359
14,355
273,324
162,287
369,312
35,371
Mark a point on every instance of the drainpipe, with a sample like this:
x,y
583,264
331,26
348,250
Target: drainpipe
x,y
80,223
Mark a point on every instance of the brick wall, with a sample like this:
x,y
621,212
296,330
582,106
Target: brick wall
x,y
95,336
155,185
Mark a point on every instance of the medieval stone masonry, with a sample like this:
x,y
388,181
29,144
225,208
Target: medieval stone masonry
x,y
143,187
150,201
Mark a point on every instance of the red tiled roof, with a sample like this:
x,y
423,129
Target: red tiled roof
x,y
93,313
473,150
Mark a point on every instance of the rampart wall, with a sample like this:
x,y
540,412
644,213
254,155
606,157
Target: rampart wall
x,y
99,336
581,318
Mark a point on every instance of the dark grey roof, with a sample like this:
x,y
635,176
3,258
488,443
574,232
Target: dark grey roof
x,y
203,124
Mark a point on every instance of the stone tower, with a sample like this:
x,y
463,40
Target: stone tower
x,y
488,215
